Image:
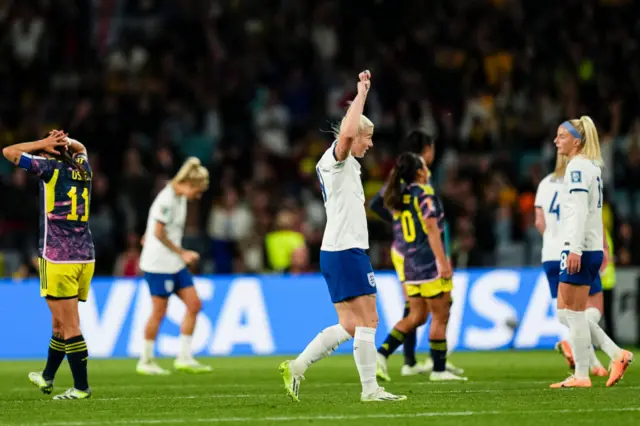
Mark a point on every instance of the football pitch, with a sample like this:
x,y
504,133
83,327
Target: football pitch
x,y
504,388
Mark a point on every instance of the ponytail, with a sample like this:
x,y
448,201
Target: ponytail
x,y
393,193
590,141
561,165
405,172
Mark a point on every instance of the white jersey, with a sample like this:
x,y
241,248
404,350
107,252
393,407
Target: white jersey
x,y
344,202
170,209
548,199
581,209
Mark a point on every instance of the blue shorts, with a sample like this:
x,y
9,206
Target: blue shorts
x,y
163,285
589,274
552,270
348,274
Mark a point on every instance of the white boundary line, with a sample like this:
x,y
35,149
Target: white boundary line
x,y
329,417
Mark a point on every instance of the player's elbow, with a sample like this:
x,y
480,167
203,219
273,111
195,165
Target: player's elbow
x,y
6,152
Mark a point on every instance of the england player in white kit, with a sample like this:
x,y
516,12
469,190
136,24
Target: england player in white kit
x,y
343,261
164,263
547,204
582,252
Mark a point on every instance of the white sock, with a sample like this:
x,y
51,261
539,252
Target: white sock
x,y
320,347
564,320
581,341
147,350
562,317
185,347
364,352
593,358
600,338
593,315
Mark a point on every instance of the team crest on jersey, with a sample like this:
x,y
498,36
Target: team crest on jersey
x,y
576,176
372,279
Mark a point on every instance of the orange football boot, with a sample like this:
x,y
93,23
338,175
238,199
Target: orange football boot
x,y
572,382
564,348
599,371
618,367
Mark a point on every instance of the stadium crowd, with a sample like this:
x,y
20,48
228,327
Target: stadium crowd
x,y
252,87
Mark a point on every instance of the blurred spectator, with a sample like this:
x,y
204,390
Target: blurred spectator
x,y
252,92
229,223
282,242
127,262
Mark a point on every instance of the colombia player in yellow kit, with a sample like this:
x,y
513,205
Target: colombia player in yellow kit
x,y
65,249
418,227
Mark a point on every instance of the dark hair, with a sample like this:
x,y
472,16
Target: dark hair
x,y
417,141
407,167
64,156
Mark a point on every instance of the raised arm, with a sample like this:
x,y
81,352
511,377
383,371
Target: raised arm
x,y
55,139
76,148
349,129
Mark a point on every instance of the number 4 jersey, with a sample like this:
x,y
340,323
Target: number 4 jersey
x,y
410,232
548,198
65,195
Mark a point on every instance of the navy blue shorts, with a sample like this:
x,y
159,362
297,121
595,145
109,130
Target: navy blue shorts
x,y
164,285
552,270
589,274
348,274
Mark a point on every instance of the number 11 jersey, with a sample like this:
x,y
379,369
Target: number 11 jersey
x,y
65,196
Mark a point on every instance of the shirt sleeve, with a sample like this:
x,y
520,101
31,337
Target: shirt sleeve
x,y
331,162
427,205
377,205
576,208
161,208
576,180
83,160
40,166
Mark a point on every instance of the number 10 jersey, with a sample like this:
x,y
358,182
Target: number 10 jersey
x,y
411,237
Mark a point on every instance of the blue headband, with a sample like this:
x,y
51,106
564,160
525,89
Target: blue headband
x,y
571,129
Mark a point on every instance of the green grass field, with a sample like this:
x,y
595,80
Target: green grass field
x,y
504,388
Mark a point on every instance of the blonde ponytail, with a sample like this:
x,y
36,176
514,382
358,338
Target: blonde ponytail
x,y
561,165
192,172
590,141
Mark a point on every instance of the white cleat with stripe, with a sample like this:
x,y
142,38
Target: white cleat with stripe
x,y
381,395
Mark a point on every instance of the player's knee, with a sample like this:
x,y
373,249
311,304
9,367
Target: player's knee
x,y
194,307
416,319
349,326
71,330
371,321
